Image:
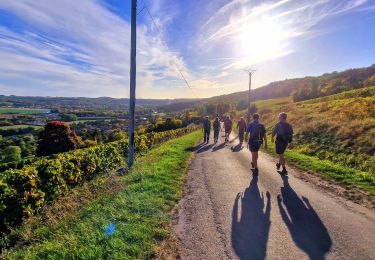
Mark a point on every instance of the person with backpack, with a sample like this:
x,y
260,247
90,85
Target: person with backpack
x,y
257,133
284,137
241,125
227,127
217,127
206,129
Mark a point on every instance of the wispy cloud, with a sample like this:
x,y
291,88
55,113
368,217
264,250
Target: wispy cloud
x,y
79,48
287,18
70,48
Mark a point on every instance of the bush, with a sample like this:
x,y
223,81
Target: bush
x,y
57,137
24,191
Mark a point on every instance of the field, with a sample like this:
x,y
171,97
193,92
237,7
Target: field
x,y
9,127
22,111
119,217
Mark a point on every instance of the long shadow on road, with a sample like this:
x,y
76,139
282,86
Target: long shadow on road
x,y
305,226
251,227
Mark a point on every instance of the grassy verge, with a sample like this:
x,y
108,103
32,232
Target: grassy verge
x,y
126,223
328,169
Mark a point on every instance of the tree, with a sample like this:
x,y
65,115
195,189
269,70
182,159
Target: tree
x,y
211,109
223,108
11,154
57,137
241,105
68,117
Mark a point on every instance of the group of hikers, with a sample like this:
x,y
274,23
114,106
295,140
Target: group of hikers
x,y
254,133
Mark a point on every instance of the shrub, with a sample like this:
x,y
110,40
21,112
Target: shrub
x,y
24,191
57,137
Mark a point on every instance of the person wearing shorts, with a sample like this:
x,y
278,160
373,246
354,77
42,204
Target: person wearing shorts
x,y
284,136
257,133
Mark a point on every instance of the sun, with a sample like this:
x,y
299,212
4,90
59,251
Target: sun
x,y
262,40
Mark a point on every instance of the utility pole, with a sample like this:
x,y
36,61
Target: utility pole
x,y
250,72
132,81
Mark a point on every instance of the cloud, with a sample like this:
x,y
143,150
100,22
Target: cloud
x,y
248,34
79,48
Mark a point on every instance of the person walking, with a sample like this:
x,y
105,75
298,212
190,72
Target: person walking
x,y
217,127
206,129
241,125
228,123
284,137
257,133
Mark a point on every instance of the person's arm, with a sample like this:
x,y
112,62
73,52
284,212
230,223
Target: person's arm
x,y
273,134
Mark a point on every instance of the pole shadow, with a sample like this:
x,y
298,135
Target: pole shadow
x,y
306,228
250,230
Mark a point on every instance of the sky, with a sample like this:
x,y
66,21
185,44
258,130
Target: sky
x,y
82,48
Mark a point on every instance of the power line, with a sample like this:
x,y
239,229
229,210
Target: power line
x,y
158,27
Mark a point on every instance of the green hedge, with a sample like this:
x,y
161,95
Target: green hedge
x,y
24,191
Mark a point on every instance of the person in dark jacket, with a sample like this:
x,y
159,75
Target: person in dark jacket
x,y
255,136
217,127
241,125
206,129
228,123
284,136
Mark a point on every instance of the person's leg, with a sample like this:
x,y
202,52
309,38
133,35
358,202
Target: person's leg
x,y
282,160
208,136
254,159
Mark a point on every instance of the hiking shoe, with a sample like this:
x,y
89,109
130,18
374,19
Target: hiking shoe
x,y
278,165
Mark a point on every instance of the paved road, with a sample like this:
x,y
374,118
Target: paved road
x,y
230,213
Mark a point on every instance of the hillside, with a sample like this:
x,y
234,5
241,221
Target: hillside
x,y
340,127
313,87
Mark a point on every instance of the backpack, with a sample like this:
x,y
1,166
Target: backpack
x,y
287,133
258,134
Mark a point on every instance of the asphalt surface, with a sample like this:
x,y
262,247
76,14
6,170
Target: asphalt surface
x,y
230,213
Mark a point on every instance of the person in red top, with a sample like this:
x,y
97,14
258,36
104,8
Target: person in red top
x,y
241,125
227,127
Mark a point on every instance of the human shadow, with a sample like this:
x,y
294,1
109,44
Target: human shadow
x,y
250,232
195,148
205,148
218,147
237,148
305,226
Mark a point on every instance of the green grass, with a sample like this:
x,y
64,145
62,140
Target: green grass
x,y
329,169
139,205
8,127
22,111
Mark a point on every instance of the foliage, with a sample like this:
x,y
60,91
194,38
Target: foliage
x,y
339,128
138,205
169,124
10,154
24,191
68,117
57,137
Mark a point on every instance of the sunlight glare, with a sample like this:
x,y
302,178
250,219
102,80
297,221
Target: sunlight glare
x,y
262,40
